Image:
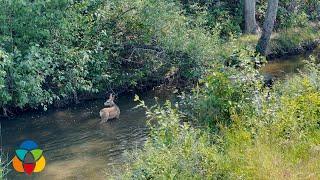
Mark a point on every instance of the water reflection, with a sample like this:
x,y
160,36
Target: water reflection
x,y
75,144
286,66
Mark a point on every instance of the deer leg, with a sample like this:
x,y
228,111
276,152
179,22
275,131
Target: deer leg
x,y
104,119
5,112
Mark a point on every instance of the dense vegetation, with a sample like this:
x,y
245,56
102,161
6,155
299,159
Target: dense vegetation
x,y
231,126
54,51
58,49
259,135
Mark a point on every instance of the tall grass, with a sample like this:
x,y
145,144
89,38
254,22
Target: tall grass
x,y
4,162
259,133
282,42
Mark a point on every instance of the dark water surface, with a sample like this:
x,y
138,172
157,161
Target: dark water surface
x,y
76,146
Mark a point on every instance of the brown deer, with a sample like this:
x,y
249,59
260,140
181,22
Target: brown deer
x,y
111,111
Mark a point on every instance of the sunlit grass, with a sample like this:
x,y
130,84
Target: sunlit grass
x,y
281,42
278,140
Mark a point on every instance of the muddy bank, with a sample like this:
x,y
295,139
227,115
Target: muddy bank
x,y
302,48
144,86
147,85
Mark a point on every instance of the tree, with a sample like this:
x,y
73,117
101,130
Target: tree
x,y
268,25
251,26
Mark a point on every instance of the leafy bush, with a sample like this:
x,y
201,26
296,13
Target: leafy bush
x,y
291,14
225,14
285,136
294,38
227,89
278,139
291,19
175,150
81,47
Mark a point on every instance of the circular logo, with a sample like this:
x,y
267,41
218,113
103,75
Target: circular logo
x,y
29,158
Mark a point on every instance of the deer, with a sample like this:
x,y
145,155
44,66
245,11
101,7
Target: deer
x,y
111,111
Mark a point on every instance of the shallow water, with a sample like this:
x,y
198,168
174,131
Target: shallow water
x,y
286,66
76,146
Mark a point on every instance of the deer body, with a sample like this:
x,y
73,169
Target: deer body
x,y
111,111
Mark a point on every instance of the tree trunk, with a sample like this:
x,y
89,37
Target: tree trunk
x,y
268,25
251,26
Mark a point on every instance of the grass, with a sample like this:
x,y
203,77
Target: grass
x,y
278,140
295,38
281,43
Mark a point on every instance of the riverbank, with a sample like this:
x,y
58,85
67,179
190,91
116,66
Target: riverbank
x,y
235,128
284,43
238,128
168,82
288,42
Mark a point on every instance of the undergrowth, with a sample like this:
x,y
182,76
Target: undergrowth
x,y
258,132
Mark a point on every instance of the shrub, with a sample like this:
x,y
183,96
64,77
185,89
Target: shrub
x,y
280,139
285,136
84,47
174,150
227,89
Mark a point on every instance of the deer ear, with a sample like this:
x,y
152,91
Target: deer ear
x,y
110,96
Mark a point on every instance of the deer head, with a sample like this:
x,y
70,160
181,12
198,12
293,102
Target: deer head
x,y
110,102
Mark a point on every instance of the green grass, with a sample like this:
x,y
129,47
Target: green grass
x,y
267,137
281,42
293,38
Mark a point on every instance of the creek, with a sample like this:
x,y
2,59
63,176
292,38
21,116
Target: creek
x,y
77,146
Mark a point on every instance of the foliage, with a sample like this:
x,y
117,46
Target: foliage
x,y
59,50
55,50
285,136
291,40
225,15
294,38
291,13
175,150
278,137
227,89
